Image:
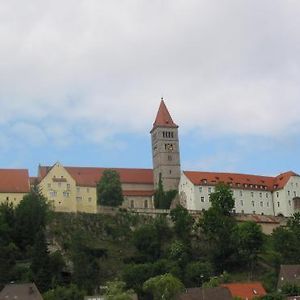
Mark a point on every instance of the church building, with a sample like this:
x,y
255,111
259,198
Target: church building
x,y
73,189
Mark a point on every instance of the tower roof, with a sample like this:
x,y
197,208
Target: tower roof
x,y
163,117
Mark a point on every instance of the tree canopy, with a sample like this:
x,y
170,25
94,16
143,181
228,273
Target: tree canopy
x,y
109,189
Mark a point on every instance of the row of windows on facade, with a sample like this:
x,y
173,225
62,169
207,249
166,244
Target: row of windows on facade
x,y
7,198
66,194
210,190
202,199
249,185
68,187
168,134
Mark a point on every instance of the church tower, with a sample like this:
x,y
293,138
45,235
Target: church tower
x,y
165,149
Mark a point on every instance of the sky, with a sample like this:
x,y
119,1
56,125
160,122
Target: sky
x,y
81,82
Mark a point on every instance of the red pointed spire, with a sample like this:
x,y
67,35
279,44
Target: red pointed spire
x,y
163,117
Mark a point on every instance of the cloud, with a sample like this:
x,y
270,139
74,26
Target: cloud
x,y
93,69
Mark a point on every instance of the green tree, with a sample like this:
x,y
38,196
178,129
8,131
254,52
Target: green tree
x,y
109,189
31,217
85,265
219,228
162,199
136,274
197,272
183,222
64,293
40,265
116,290
250,243
222,199
165,287
147,241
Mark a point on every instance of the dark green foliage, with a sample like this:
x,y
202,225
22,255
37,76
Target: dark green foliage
x,y
273,296
8,249
64,293
290,289
109,189
197,272
183,222
85,265
289,250
116,290
250,242
222,199
40,265
136,274
163,287
146,240
220,228
31,217
162,199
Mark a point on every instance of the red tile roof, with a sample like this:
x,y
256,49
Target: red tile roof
x,y
138,193
14,181
163,117
88,176
246,291
240,180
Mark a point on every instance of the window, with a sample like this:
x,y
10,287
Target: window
x,y
7,198
68,186
170,171
131,203
78,199
252,194
277,194
242,211
202,199
261,204
209,190
278,204
267,204
295,194
66,194
260,195
53,194
242,202
49,185
146,204
169,157
252,203
241,193
90,199
289,193
200,189
254,212
289,202
267,195
78,189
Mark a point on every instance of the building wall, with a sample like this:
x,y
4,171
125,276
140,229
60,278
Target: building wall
x,y
14,198
166,157
145,202
65,196
86,199
60,189
283,199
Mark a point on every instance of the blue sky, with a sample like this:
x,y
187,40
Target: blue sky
x,y
80,83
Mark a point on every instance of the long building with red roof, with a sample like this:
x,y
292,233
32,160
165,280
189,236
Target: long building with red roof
x,y
73,188
14,184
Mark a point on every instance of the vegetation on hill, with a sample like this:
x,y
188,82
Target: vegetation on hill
x,y
71,255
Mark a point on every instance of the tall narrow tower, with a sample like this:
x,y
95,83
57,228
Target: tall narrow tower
x,y
165,149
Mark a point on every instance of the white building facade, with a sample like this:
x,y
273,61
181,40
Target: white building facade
x,y
262,195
